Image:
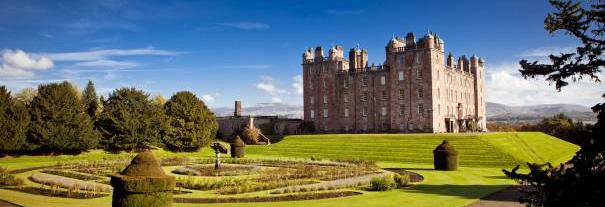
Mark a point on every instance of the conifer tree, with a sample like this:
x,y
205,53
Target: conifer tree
x,y
130,121
90,99
59,122
14,120
191,125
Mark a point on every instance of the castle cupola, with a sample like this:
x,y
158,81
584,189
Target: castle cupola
x,y
336,53
429,40
410,39
308,55
319,53
450,60
394,44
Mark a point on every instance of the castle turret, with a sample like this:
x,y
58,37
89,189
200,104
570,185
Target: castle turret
x,y
460,63
476,68
429,41
308,55
319,53
410,39
450,60
358,58
336,53
394,44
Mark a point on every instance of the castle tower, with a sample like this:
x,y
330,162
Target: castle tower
x,y
238,109
476,68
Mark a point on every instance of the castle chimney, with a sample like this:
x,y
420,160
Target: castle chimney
x,y
238,109
410,39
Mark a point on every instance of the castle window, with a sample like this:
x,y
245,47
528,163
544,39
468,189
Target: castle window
x,y
438,94
364,111
419,73
383,111
439,109
420,108
312,114
401,94
324,83
346,98
364,96
325,99
418,58
346,112
400,75
312,100
420,92
344,83
402,109
325,113
383,80
384,95
364,81
401,60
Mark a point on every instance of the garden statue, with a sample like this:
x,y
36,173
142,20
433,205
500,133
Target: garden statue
x,y
218,149
142,183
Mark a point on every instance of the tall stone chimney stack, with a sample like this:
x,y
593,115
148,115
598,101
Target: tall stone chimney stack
x,y
238,108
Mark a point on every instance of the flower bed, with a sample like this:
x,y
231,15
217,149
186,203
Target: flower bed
x,y
69,183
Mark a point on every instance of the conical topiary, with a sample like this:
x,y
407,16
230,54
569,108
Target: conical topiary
x,y
142,183
238,148
445,157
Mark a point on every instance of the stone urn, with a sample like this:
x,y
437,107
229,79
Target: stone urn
x,y
143,183
238,148
445,157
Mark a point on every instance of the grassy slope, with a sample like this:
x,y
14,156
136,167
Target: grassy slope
x,y
485,149
486,154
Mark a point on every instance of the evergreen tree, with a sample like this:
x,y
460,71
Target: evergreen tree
x,y
130,121
14,120
191,125
580,181
90,99
58,120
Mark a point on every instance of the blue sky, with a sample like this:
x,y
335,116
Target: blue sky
x,y
251,50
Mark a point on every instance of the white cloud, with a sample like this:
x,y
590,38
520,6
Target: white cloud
x,y
246,66
208,98
268,85
505,85
546,51
19,64
104,54
276,100
108,64
298,84
245,25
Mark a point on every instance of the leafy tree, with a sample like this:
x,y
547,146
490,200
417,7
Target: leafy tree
x,y
562,127
90,99
14,120
26,95
580,181
158,100
58,120
130,121
191,125
251,134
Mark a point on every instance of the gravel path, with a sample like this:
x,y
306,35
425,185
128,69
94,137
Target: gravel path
x,y
339,183
508,197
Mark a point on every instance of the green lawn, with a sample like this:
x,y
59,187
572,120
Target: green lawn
x,y
482,156
480,150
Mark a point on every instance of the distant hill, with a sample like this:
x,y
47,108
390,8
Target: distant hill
x,y
495,111
532,113
264,109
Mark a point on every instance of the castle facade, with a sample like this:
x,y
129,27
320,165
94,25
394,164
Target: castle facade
x,y
417,89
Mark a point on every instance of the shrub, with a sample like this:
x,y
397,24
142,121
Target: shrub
x,y
129,121
383,183
401,180
251,135
7,179
14,120
191,125
59,121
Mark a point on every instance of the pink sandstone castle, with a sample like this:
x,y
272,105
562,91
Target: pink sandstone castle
x,y
417,89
